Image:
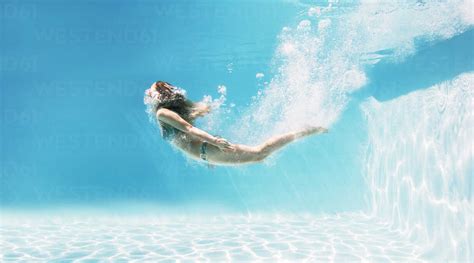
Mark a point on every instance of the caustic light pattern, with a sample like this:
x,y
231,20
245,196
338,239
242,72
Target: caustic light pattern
x,y
419,165
336,238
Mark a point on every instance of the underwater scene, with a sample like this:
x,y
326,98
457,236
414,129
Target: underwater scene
x,y
86,175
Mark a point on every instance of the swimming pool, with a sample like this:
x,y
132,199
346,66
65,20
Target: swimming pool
x,y
86,177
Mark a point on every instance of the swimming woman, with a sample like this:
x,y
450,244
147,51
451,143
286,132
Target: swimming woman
x,y
175,114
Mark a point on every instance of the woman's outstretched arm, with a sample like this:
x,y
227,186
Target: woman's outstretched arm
x,y
173,119
198,109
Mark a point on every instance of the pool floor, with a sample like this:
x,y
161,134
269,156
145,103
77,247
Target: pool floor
x,y
303,238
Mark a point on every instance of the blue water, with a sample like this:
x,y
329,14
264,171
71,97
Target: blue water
x,y
86,176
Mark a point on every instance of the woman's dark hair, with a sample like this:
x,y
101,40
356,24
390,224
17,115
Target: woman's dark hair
x,y
175,101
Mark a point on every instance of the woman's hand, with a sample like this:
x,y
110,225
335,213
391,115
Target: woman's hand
x,y
322,130
224,145
200,109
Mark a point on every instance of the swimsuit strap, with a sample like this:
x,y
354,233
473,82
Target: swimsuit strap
x,y
203,154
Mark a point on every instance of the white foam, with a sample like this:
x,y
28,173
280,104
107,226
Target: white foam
x,y
214,119
304,25
323,24
314,11
318,67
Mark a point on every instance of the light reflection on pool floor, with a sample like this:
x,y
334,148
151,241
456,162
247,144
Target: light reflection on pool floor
x,y
339,238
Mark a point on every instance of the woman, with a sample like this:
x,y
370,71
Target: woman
x,y
176,114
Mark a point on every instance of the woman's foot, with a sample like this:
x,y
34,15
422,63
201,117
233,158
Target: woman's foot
x,y
313,130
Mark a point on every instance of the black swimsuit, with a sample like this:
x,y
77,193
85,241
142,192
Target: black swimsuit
x,y
203,153
168,132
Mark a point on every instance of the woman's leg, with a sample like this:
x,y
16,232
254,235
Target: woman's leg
x,y
277,142
248,154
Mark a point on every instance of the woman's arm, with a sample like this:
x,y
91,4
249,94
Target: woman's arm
x,y
173,119
199,109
